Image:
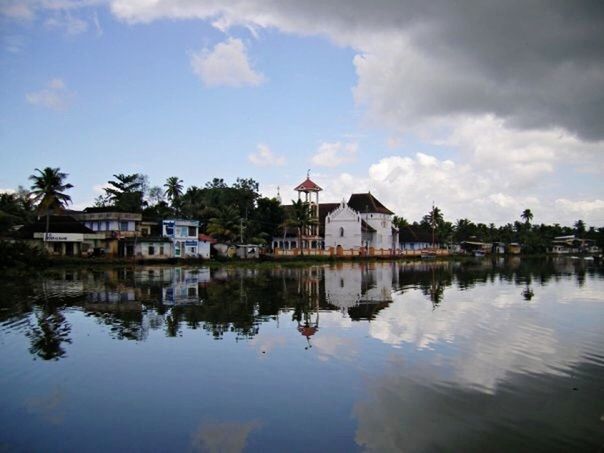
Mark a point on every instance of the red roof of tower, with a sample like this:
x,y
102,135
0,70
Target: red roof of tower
x,y
308,186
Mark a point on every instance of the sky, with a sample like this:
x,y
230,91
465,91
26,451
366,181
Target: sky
x,y
482,108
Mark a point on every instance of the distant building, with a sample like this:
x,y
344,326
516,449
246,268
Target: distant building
x,y
205,245
572,244
66,236
361,224
114,225
413,239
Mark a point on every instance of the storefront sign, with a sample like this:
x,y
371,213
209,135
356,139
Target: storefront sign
x,y
191,243
63,237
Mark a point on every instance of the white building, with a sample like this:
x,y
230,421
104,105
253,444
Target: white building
x,y
184,235
363,222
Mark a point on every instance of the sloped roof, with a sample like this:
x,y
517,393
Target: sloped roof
x,y
308,185
366,203
366,228
57,224
411,234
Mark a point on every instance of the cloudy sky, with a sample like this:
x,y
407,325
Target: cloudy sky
x,y
485,108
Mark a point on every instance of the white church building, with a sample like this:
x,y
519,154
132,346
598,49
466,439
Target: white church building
x,y
362,225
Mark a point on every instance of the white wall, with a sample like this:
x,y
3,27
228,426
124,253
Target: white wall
x,y
347,219
382,223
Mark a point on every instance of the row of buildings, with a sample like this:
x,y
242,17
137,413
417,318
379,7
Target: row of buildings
x,y
107,232
361,226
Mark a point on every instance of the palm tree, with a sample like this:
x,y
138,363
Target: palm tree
x,y
527,216
174,188
47,191
225,224
300,217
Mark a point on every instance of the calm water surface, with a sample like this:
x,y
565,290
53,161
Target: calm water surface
x,y
442,356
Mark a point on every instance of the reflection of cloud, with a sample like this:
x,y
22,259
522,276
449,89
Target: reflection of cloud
x,y
482,337
47,406
225,437
332,346
265,344
407,410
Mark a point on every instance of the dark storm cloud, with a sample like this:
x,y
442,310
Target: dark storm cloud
x,y
537,64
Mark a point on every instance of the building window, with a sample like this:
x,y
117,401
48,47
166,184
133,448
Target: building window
x,y
57,247
161,249
169,230
192,231
341,232
123,226
151,250
177,248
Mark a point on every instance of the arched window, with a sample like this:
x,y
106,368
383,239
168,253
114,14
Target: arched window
x,y
341,232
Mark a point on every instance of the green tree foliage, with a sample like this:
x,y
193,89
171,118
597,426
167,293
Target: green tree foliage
x,y
48,191
299,217
527,216
15,209
126,192
174,189
226,225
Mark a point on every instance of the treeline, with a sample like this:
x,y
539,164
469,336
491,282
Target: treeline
x,y
232,212
237,211
535,238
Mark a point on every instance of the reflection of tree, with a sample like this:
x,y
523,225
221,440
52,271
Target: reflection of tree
x,y
528,293
49,335
307,299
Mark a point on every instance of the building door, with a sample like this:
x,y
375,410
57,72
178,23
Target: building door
x,y
69,248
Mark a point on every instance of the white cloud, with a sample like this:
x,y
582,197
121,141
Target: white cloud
x,y
16,9
264,157
226,64
334,154
55,96
64,20
409,184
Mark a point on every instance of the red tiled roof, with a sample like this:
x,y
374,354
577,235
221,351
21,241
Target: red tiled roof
x,y
308,185
205,237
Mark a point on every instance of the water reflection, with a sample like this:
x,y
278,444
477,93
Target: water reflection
x,y
440,355
230,301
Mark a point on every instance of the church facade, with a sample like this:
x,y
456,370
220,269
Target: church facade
x,y
361,225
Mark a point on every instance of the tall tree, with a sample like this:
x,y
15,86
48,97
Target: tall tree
x,y
226,224
48,190
126,192
580,227
300,217
527,216
174,189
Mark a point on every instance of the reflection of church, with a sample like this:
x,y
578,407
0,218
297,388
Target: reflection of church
x,y
360,291
363,224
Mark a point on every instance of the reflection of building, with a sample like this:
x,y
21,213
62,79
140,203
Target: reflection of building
x,y
184,285
360,291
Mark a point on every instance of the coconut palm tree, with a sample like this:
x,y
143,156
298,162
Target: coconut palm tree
x,y
527,216
174,188
225,224
300,217
47,191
